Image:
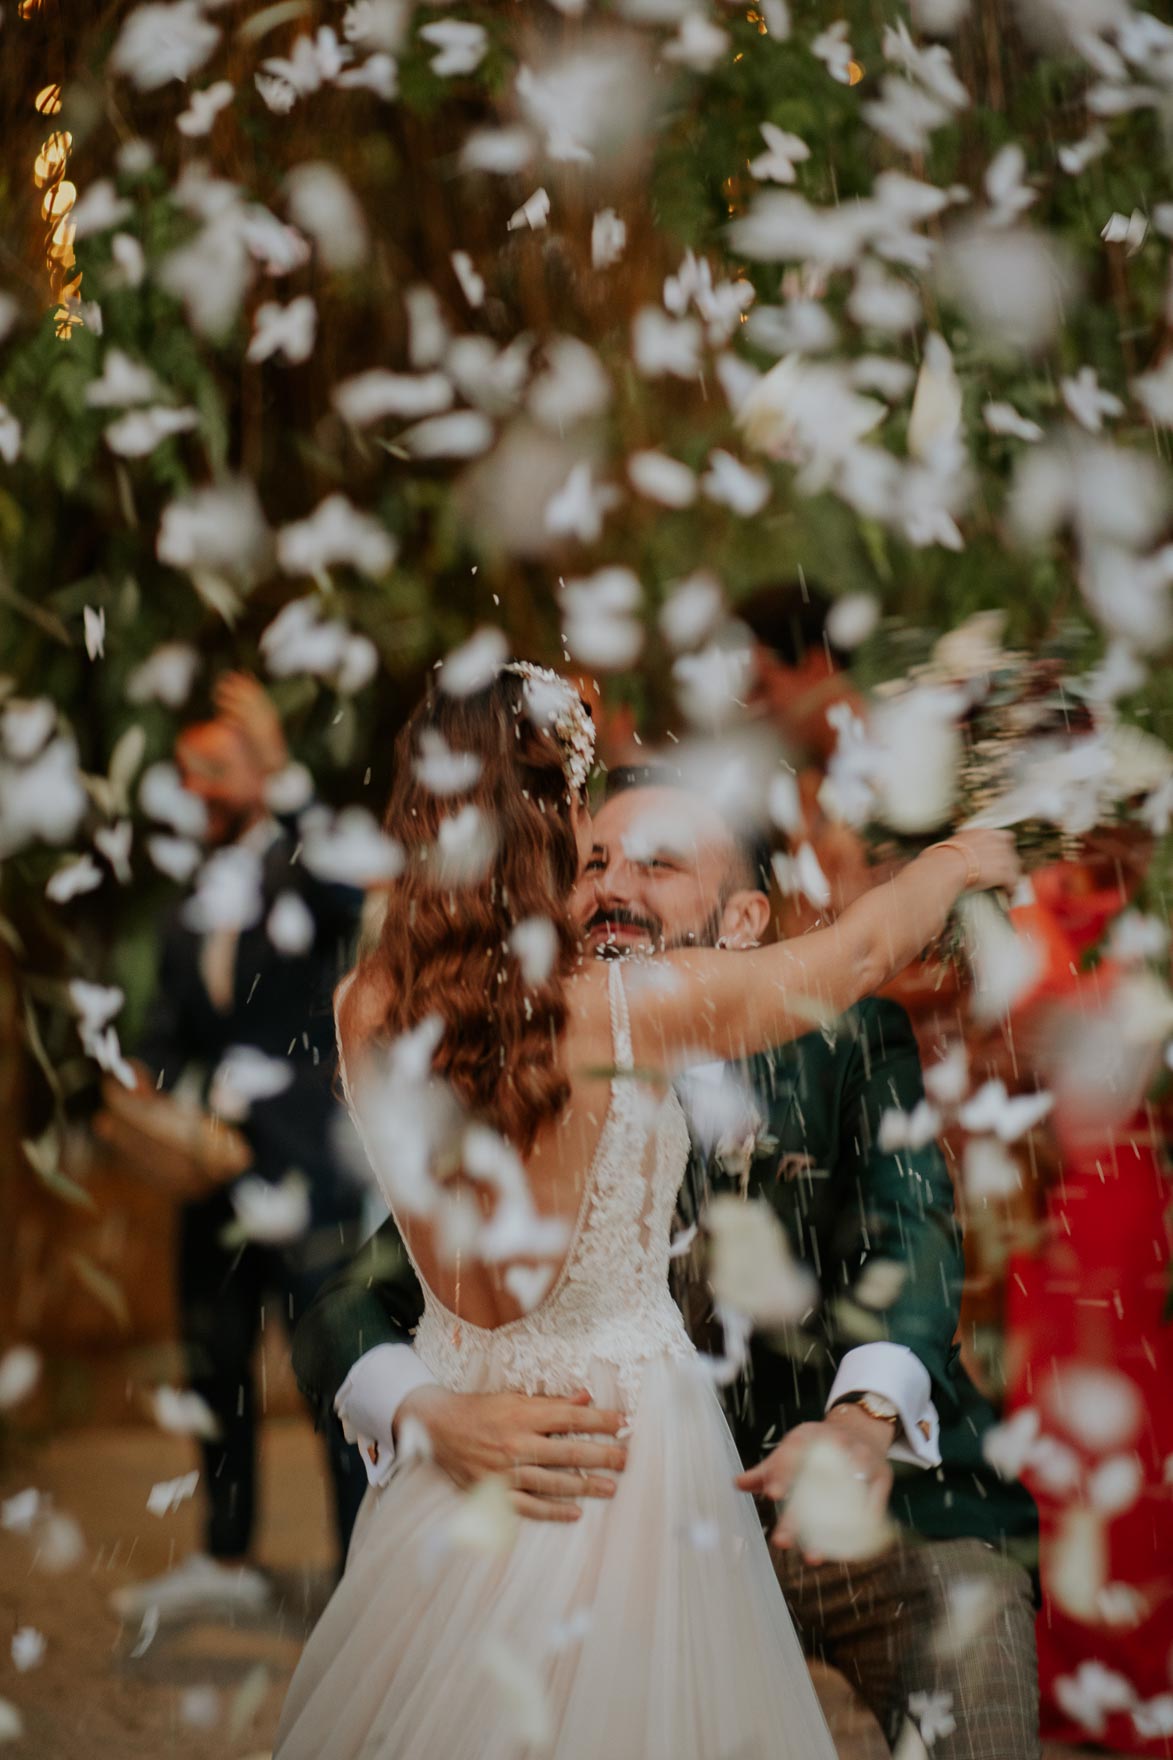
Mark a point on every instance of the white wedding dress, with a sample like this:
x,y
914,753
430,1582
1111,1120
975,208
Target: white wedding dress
x,y
651,1629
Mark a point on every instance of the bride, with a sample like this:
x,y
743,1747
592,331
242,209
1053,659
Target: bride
x,y
515,1102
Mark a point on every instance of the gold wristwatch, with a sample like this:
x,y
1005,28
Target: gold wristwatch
x,y
875,1405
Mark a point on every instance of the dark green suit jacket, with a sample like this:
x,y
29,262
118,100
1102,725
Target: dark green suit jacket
x,y
844,1204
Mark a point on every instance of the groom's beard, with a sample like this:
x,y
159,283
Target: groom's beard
x,y
659,940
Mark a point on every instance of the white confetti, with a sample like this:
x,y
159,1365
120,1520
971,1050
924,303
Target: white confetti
x,y
753,1269
28,1649
533,213
165,1498
159,43
203,109
181,1412
20,1371
534,942
272,1213
608,238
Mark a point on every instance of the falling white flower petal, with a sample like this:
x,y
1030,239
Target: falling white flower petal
x,y
534,942
580,506
471,284
272,1213
27,1649
461,45
735,485
830,1509
11,434
323,205
123,382
753,1268
573,386
464,434
289,331
204,107
165,1498
663,345
691,610
335,533
474,664
1003,418
20,1371
371,396
73,879
244,1075
138,433
852,619
608,238
1008,1117
533,213
159,43
181,1412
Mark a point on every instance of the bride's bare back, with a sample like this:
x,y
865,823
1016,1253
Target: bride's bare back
x,y
687,1006
557,1171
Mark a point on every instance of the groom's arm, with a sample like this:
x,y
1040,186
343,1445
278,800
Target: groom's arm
x,y
354,1361
906,1200
352,1349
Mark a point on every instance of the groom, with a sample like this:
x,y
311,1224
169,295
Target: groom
x,y
942,1623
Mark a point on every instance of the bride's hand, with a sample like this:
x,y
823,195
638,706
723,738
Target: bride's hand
x,y
990,858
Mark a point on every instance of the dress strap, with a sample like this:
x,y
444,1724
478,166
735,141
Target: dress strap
x,y
620,1019
343,987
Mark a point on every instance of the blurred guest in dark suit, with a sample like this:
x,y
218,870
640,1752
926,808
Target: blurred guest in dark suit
x,y
247,967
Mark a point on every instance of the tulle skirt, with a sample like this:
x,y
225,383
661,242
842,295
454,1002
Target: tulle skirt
x,y
651,1629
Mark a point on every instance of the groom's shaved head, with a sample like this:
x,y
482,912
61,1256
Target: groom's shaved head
x,y
665,869
749,856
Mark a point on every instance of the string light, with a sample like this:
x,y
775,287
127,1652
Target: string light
x,y
52,157
57,204
59,200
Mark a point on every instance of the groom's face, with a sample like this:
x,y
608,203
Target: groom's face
x,y
660,873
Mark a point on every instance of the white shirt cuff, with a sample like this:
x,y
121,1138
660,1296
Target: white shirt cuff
x,y
897,1374
369,1398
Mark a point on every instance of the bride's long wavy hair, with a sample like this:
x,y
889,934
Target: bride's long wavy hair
x,y
444,945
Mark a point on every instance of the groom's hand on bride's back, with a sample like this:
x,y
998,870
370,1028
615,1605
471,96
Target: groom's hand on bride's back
x,y
551,1452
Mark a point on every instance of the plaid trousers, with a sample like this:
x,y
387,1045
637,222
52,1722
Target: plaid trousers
x,y
894,1626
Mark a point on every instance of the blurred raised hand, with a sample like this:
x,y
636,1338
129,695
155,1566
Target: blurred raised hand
x,y
242,701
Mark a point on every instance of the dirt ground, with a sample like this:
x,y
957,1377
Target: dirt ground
x,y
91,1699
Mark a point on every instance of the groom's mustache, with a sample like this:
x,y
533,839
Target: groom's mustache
x,y
619,918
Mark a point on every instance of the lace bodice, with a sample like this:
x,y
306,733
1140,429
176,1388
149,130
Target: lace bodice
x,y
610,1302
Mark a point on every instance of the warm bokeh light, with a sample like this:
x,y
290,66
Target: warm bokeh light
x,y
854,73
59,200
60,196
51,159
61,244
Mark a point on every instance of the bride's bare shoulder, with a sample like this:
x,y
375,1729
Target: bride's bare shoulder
x,y
360,1005
588,1006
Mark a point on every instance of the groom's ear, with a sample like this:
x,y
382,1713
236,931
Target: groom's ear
x,y
745,918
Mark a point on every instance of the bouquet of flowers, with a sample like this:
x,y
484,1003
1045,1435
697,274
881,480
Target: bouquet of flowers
x,y
984,735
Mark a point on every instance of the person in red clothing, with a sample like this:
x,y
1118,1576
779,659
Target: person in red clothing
x,y
1089,1348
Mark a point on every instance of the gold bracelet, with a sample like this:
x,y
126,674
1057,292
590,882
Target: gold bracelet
x,y
973,869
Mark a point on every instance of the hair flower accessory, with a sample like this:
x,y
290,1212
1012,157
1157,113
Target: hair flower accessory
x,y
554,705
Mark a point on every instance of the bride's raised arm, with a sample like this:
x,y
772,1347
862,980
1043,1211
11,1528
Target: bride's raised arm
x,y
731,1005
